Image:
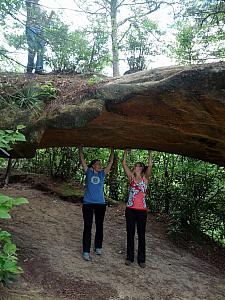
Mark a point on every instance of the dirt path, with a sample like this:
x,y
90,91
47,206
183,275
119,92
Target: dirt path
x,y
48,234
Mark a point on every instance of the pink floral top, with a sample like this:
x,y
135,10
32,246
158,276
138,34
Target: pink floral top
x,y
137,191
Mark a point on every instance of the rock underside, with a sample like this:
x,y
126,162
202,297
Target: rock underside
x,y
174,109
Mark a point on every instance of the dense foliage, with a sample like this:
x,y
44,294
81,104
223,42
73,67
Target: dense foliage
x,y
9,270
192,192
199,32
119,30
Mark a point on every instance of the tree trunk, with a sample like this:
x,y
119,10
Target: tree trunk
x,y
114,37
7,174
113,177
166,180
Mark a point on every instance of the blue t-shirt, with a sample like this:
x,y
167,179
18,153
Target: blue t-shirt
x,y
94,192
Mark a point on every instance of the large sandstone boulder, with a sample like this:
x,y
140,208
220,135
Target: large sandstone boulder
x,y
175,109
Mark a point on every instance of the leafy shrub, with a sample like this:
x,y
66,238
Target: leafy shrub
x,y
94,80
9,269
32,96
9,137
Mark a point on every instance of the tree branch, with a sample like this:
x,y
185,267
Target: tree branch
x,y
124,34
9,58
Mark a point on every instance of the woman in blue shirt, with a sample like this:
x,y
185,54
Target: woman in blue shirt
x,y
94,202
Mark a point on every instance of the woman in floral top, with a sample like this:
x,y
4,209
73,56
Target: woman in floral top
x,y
136,209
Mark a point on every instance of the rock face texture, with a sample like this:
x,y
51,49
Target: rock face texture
x,y
175,109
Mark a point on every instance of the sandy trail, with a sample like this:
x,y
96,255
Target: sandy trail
x,y
48,234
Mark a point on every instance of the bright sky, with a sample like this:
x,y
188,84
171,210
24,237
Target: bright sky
x,y
76,20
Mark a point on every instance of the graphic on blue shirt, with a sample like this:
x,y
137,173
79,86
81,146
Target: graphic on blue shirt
x,y
94,192
95,179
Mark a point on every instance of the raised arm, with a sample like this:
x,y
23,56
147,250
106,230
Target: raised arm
x,y
82,160
125,167
148,171
109,166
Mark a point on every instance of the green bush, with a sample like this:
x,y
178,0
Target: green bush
x,y
32,96
9,137
9,270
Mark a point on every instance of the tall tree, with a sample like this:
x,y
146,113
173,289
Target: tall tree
x,y
114,11
188,47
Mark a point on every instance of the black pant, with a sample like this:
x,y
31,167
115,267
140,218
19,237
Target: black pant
x,y
133,217
88,211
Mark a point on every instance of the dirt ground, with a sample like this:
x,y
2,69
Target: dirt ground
x,y
48,234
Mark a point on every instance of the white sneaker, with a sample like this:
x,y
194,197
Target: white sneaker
x,y
98,251
86,256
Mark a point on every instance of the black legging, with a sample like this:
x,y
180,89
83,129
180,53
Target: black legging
x,y
133,217
88,211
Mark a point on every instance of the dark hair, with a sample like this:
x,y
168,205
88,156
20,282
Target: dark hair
x,y
92,163
144,168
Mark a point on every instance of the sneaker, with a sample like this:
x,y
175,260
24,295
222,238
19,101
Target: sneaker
x,y
30,71
86,256
40,72
98,251
128,262
142,265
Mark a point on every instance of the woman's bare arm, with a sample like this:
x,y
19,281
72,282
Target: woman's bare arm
x,y
82,160
148,171
111,158
125,167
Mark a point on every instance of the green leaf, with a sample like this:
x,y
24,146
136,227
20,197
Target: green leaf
x,y
5,236
20,137
9,131
4,214
9,248
10,266
19,127
4,199
20,201
6,153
